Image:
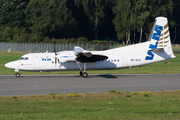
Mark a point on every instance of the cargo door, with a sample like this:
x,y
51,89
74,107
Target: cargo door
x,y
124,61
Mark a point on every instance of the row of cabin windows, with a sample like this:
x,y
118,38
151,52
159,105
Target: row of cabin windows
x,y
98,61
110,60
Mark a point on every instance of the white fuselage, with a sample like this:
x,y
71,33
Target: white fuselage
x,y
123,57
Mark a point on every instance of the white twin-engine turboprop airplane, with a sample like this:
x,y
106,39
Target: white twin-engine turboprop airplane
x,y
157,48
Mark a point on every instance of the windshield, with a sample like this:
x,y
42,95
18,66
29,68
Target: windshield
x,y
24,58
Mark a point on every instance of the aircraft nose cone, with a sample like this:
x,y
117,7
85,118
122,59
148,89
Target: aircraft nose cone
x,y
7,65
12,65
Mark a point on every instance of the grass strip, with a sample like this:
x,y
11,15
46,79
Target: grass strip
x,y
111,105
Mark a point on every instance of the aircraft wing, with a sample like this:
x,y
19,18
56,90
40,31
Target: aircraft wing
x,y
89,57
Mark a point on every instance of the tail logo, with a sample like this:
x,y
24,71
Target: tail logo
x,y
156,35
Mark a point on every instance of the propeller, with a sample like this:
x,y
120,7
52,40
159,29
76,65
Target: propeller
x,y
56,59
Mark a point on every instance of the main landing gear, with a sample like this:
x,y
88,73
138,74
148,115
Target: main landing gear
x,y
82,73
17,74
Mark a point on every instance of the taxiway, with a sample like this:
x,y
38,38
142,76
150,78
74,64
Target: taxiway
x,y
46,84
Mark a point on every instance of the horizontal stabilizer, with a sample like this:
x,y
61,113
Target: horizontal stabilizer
x,y
158,50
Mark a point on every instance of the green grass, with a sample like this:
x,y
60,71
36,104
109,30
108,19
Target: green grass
x,y
93,106
163,67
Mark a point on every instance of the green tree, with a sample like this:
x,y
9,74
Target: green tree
x,y
134,18
107,28
63,22
94,9
83,26
143,13
38,13
11,12
123,20
176,18
12,19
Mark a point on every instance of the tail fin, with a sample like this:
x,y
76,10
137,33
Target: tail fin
x,y
160,38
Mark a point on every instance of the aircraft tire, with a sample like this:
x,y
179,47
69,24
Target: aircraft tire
x,y
84,75
17,75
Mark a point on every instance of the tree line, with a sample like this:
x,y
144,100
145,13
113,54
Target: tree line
x,y
125,21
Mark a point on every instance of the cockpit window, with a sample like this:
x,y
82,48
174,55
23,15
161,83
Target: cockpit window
x,y
24,58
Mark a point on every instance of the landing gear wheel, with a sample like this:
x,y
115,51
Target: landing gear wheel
x,y
84,75
80,73
17,75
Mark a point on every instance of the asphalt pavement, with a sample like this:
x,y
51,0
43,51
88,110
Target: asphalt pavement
x,y
60,84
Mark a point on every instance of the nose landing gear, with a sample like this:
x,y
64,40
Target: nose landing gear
x,y
17,74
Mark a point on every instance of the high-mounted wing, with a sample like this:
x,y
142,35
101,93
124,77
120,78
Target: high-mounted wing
x,y
89,57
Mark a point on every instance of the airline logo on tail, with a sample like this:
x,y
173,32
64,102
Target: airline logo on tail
x,y
156,35
156,41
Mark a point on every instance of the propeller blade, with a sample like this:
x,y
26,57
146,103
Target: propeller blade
x,y
55,49
56,59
